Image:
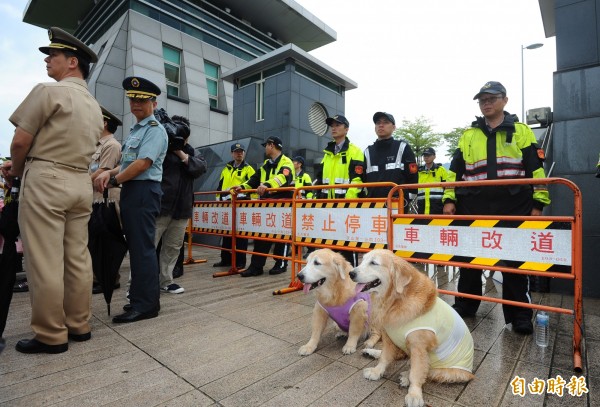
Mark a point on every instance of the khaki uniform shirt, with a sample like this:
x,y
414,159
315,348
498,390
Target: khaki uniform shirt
x,y
107,157
63,131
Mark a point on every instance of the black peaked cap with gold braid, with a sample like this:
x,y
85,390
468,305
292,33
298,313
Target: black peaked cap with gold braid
x,y
62,40
140,88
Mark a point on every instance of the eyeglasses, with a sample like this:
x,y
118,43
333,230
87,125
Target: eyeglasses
x,y
491,100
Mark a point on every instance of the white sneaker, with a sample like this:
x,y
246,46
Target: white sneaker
x,y
173,289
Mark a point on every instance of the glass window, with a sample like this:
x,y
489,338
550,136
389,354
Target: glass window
x,y
211,71
260,101
172,57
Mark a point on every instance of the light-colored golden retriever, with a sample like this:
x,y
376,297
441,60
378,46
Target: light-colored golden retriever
x,y
413,321
327,273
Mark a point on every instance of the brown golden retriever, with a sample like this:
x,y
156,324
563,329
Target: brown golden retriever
x,y
326,272
413,321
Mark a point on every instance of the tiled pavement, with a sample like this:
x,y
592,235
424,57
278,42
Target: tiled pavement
x,y
230,342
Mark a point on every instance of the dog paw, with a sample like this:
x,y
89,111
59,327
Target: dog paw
x,y
371,373
404,381
374,353
306,350
369,344
348,349
414,400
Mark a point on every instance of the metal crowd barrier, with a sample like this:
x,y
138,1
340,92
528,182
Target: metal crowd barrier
x,y
363,224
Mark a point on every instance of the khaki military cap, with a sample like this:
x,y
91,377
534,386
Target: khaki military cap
x,y
62,40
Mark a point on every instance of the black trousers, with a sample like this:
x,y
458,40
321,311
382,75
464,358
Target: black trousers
x,y
263,246
515,287
140,205
240,244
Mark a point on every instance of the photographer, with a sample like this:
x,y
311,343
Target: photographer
x,y
180,168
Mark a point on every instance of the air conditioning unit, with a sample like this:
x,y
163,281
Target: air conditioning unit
x,y
540,115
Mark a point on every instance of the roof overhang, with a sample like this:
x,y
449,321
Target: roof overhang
x,y
286,20
286,52
65,14
548,18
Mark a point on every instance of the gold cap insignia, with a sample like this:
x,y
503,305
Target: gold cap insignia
x,y
135,83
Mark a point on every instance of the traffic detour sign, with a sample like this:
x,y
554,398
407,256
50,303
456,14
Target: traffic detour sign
x,y
529,245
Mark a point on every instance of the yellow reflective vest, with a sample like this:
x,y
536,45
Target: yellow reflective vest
x,y
232,176
345,167
274,174
429,200
302,178
516,155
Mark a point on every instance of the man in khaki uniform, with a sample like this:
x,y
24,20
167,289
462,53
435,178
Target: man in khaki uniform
x,y
57,128
107,157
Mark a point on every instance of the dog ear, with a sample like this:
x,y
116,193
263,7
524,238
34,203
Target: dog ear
x,y
401,277
340,265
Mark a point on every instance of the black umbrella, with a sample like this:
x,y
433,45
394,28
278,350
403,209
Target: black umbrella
x,y
9,229
107,245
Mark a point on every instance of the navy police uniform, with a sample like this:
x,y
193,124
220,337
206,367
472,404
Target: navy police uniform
x,y
140,200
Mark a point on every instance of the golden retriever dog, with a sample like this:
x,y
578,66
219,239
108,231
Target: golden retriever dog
x,y
414,322
327,273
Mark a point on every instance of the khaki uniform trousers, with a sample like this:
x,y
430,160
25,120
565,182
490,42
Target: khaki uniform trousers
x,y
54,210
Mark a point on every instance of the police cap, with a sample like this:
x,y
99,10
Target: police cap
x,y
387,116
299,159
492,87
337,118
109,117
429,151
237,146
273,140
62,40
140,88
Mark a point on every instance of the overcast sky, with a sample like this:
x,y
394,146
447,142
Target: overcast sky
x,y
410,58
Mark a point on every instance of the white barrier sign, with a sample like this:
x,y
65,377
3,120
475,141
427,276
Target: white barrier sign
x,y
518,244
212,217
365,225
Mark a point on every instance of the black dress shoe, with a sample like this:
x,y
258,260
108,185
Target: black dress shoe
x,y
463,312
240,266
277,270
251,272
97,287
134,316
35,346
127,307
222,264
80,337
523,326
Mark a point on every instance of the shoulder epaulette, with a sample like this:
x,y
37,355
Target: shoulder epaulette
x,y
153,123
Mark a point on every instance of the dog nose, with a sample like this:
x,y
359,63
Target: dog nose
x,y
353,274
301,276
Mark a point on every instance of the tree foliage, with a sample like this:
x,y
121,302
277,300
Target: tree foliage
x,y
451,139
419,134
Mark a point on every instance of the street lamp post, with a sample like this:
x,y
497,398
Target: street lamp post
x,y
531,46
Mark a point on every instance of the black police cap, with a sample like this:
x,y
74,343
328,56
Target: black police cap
x,y
140,88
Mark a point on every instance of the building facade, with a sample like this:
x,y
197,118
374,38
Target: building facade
x,y
186,47
575,142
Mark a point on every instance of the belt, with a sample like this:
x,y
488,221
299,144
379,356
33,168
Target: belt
x,y
32,159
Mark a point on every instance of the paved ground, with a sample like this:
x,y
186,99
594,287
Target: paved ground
x,y
230,342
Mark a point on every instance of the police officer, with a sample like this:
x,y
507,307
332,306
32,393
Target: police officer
x,y
106,157
276,172
57,128
140,175
429,200
236,172
388,159
497,146
302,178
343,163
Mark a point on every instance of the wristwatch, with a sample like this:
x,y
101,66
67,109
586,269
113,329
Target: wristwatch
x,y
113,181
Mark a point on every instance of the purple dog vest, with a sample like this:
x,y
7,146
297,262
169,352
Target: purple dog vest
x,y
341,313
